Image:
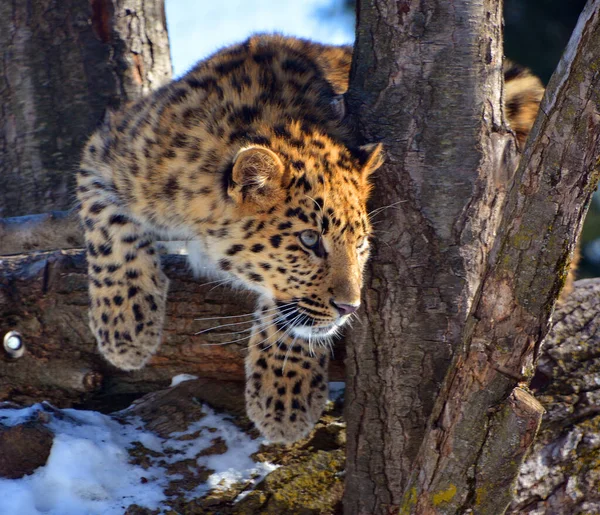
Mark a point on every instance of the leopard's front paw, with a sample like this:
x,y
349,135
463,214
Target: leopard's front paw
x,y
286,397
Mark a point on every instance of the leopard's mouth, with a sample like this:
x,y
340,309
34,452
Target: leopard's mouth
x,y
301,324
322,332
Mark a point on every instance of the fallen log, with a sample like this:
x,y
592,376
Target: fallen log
x,y
43,296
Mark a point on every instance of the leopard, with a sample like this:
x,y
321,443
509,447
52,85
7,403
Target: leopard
x,y
249,158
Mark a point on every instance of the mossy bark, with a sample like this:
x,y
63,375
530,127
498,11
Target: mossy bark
x,y
64,63
562,473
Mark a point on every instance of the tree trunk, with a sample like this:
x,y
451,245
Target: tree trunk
x,y
65,62
425,81
530,259
44,297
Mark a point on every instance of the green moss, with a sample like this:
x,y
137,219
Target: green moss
x,y
314,486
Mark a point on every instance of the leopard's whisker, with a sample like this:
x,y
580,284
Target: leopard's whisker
x,y
268,337
245,314
273,322
224,282
288,352
216,281
286,328
320,209
245,337
383,208
233,323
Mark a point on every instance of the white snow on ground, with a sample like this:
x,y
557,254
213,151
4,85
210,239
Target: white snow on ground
x,y
178,379
88,471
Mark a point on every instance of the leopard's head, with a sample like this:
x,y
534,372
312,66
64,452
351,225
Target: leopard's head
x,y
301,231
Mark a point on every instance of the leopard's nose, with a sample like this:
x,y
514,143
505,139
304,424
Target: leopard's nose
x,y
345,309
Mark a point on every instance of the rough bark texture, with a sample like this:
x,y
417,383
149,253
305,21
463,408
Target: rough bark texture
x,y
64,63
562,473
426,82
44,297
472,450
56,230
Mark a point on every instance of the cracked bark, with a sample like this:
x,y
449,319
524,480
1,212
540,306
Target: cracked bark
x,y
63,64
448,334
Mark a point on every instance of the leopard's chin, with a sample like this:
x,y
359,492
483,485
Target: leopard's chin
x,y
317,333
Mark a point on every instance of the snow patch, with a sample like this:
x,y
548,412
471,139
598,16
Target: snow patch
x,y
89,470
181,378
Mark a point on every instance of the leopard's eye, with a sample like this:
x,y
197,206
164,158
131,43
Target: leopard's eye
x,y
309,238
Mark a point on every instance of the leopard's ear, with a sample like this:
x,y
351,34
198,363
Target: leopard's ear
x,y
371,158
257,177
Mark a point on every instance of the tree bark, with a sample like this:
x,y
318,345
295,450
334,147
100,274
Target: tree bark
x,y
425,81
468,448
64,63
562,473
44,297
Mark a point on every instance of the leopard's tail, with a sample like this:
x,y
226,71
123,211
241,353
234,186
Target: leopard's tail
x,y
523,93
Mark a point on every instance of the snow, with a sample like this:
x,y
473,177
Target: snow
x,y
88,470
178,379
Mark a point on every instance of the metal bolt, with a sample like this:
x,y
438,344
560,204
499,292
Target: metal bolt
x,y
13,344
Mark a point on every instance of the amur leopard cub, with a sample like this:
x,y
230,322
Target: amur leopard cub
x,y
246,155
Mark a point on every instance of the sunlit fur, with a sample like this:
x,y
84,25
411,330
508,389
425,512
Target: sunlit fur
x,y
241,155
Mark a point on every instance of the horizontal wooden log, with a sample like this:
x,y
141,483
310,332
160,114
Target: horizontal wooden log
x,y
43,296
47,231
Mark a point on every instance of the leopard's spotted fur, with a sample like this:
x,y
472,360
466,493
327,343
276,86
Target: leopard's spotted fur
x,y
246,155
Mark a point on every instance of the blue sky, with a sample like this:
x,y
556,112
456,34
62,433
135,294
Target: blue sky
x,y
199,27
